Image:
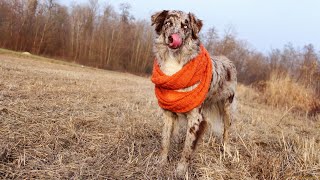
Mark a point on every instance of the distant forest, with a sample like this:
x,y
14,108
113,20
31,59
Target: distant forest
x,y
109,39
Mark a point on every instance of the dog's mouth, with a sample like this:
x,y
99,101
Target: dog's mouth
x,y
175,41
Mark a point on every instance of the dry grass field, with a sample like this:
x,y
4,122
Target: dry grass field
x,y
66,121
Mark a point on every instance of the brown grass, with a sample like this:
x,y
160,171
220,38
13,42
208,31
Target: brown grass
x,y
67,122
282,91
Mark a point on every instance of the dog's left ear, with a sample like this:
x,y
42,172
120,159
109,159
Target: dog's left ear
x,y
196,25
158,19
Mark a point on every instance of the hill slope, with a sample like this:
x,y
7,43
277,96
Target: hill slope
x,y
67,121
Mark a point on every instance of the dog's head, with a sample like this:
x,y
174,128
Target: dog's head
x,y
176,28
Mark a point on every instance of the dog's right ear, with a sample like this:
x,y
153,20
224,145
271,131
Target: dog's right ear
x,y
158,20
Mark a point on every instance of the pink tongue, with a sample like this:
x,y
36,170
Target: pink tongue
x,y
176,41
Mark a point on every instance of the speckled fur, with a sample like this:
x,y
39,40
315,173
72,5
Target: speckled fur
x,y
220,103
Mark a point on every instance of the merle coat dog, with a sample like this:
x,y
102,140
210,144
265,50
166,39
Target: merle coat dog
x,y
176,43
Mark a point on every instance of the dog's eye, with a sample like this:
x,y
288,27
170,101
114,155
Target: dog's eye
x,y
168,23
184,26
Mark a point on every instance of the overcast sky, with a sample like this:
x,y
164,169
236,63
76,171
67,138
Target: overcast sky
x,y
263,24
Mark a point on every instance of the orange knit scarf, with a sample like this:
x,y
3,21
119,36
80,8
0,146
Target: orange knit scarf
x,y
198,70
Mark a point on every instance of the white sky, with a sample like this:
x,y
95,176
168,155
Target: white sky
x,y
264,24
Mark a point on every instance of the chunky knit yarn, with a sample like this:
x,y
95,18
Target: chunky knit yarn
x,y
196,71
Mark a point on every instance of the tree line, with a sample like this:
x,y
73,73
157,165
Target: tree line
x,y
113,39
84,33
301,64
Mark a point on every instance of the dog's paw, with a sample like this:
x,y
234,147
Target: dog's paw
x,y
182,169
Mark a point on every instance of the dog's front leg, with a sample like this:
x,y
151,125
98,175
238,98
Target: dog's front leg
x,y
169,118
196,127
180,120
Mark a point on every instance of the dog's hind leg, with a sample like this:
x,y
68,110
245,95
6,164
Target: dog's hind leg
x,y
169,119
228,113
227,120
195,130
227,123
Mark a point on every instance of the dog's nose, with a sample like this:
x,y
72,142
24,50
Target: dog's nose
x,y
175,41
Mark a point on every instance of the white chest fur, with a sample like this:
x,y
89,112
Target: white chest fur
x,y
170,66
